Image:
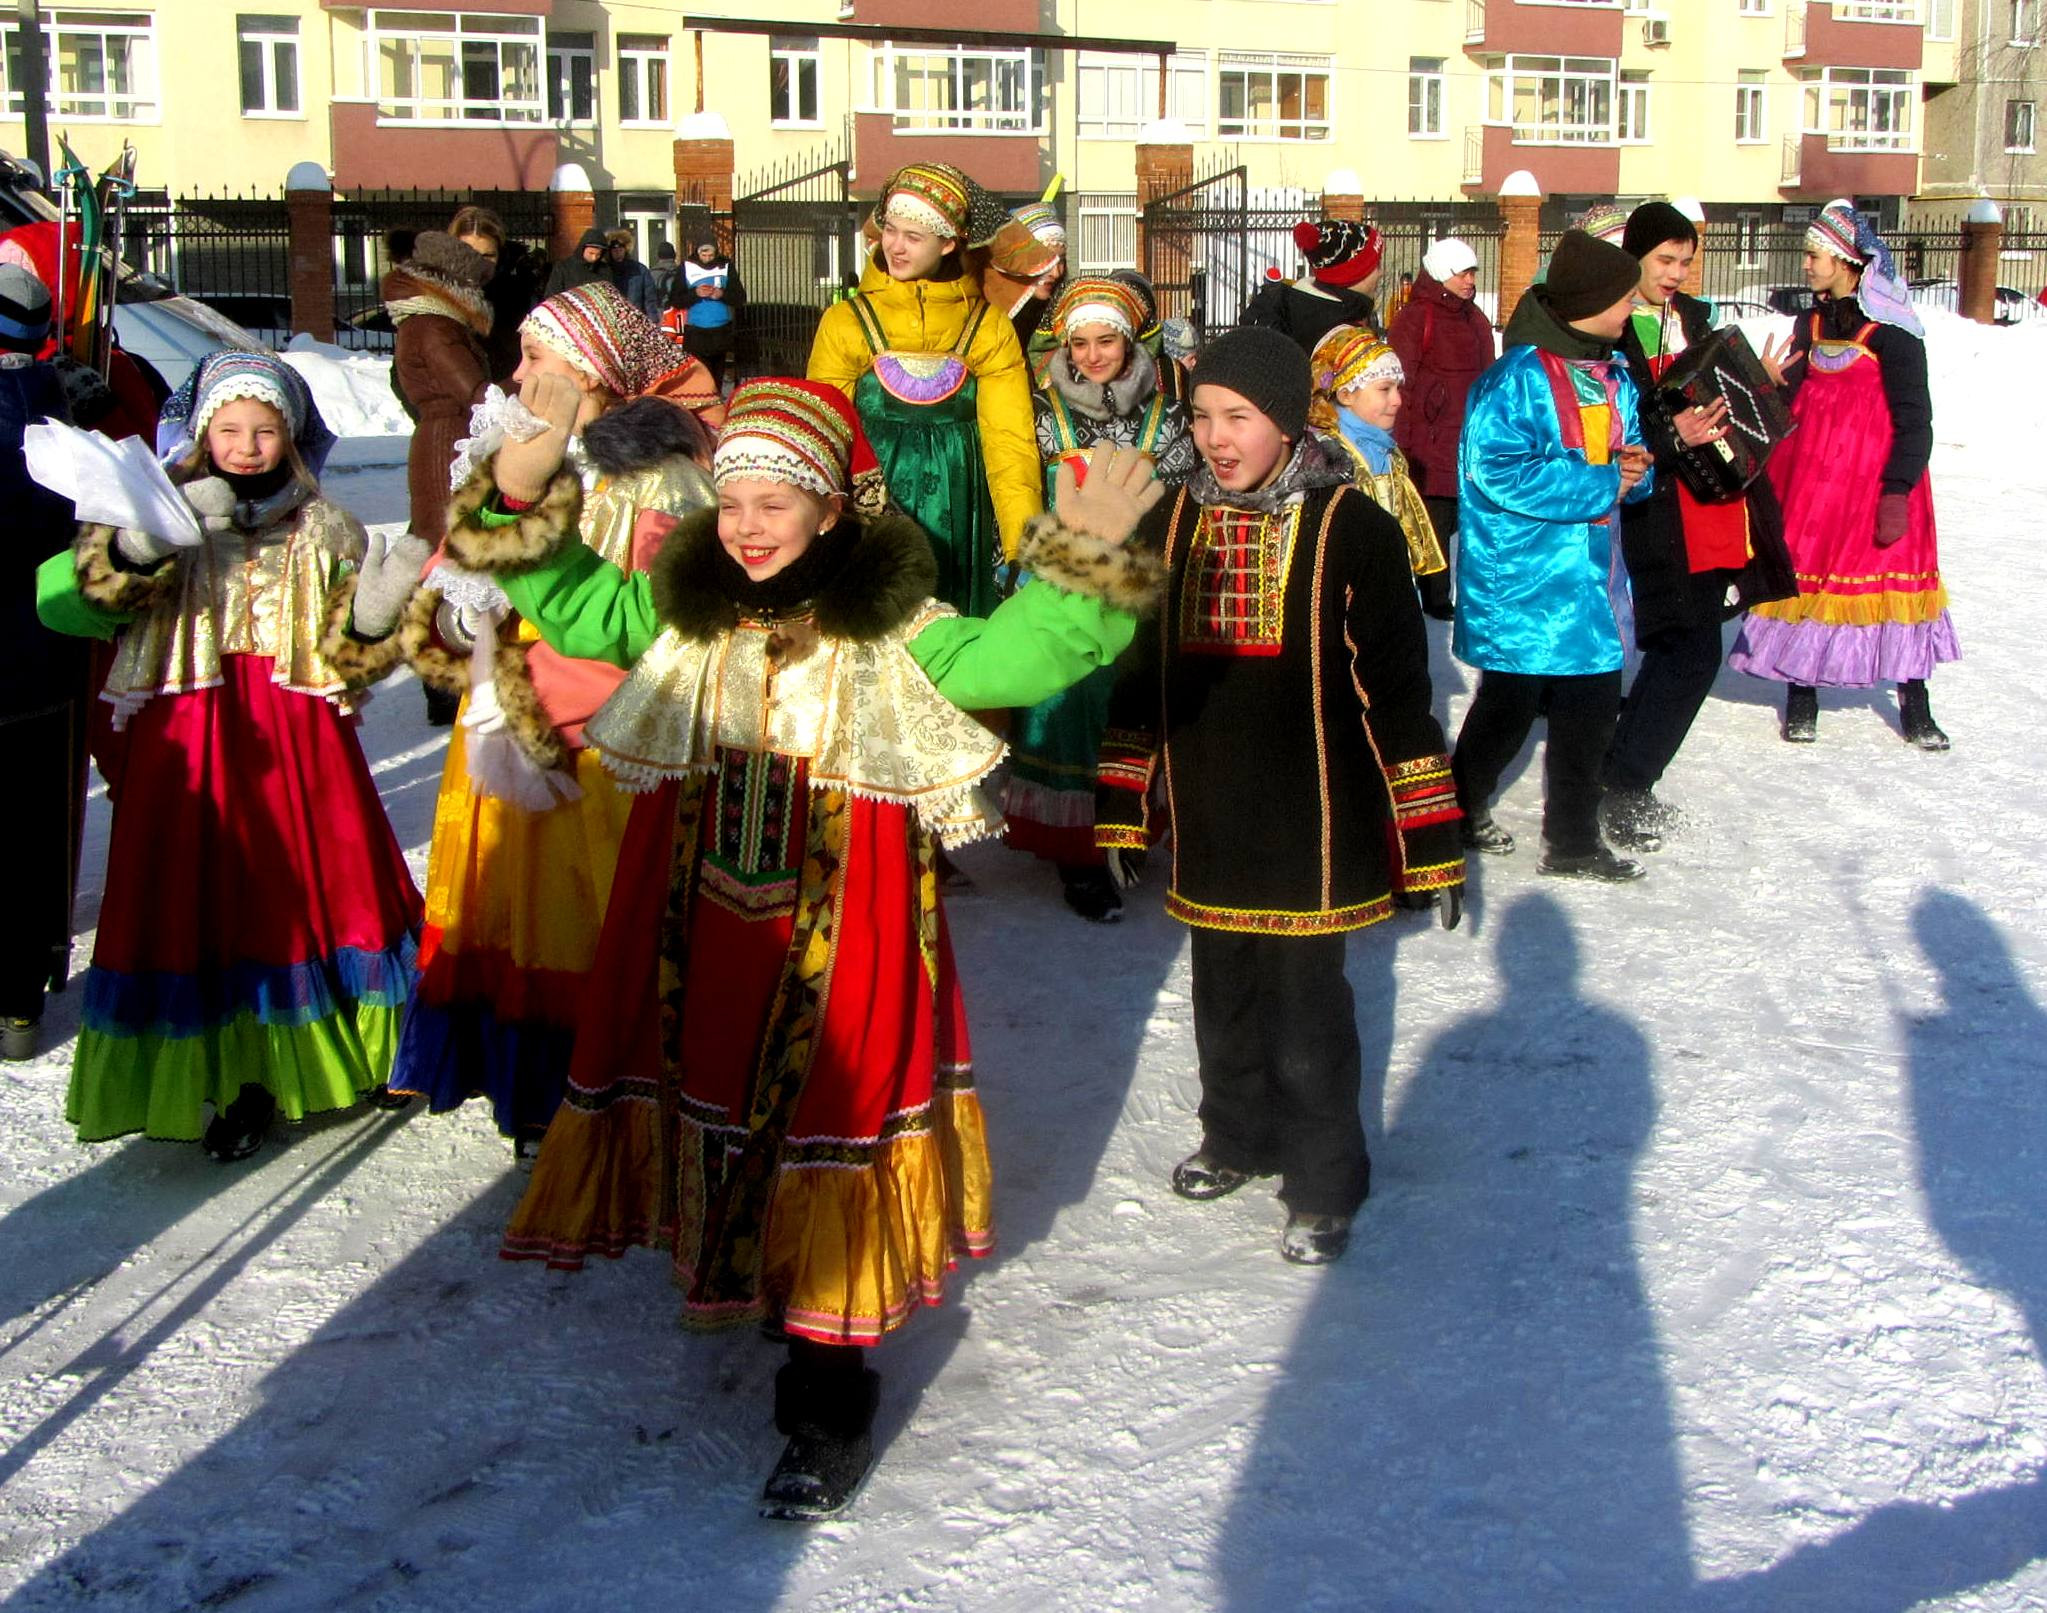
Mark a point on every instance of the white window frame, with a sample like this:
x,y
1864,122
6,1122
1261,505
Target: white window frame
x,y
1752,8
1428,88
793,54
1634,121
1010,84
644,62
1751,107
1940,19
2022,22
1748,240
1104,233
2021,125
562,57
1888,11
1115,96
274,34
1272,67
462,110
1828,91
140,104
1586,78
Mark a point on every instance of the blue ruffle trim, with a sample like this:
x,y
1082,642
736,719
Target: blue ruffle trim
x,y
449,1055
288,995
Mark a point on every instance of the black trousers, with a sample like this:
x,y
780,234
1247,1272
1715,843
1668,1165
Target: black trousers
x,y
1435,589
1676,675
1580,712
1277,1036
35,940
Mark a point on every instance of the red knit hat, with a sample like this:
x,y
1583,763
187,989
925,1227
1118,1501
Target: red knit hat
x,y
1340,251
783,429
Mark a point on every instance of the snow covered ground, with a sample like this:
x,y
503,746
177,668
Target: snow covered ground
x,y
1705,1266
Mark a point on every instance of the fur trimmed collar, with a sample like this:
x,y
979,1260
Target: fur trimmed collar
x,y
410,290
888,572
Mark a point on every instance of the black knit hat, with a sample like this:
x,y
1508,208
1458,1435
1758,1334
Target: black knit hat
x,y
1587,276
1264,366
1653,223
24,311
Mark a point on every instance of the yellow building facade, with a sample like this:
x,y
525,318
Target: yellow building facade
x,y
1732,101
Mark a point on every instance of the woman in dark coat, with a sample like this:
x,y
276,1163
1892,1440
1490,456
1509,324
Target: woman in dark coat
x,y
1691,565
435,301
1444,342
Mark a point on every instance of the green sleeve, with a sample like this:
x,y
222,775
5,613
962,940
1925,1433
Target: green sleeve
x,y
586,607
1040,640
62,608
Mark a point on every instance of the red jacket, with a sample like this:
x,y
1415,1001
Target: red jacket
x,y
1444,341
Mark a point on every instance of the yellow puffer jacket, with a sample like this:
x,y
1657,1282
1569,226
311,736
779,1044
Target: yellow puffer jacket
x,y
927,316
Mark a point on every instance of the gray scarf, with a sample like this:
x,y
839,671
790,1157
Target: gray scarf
x,y
1316,462
1113,400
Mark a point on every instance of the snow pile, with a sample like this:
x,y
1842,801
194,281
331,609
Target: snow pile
x,y
352,389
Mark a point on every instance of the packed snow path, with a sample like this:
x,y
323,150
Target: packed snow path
x,y
1705,1264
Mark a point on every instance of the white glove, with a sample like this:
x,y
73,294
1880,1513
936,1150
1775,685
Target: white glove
x,y
485,715
210,498
385,580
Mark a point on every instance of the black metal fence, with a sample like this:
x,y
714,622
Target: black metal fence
x,y
795,234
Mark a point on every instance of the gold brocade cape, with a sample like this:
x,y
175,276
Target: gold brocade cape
x,y
242,593
861,713
1394,492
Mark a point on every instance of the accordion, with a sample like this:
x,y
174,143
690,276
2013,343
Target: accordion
x,y
1723,365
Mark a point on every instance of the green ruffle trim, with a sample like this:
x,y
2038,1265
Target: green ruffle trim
x,y
160,1085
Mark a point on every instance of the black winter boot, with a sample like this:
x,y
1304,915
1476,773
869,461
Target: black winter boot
x,y
826,1406
1801,713
239,1129
1478,832
1092,893
1915,712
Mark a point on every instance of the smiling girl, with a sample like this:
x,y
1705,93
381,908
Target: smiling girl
x,y
1100,386
773,1077
255,945
938,378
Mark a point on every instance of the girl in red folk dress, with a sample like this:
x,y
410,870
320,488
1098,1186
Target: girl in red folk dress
x,y
772,1075
256,944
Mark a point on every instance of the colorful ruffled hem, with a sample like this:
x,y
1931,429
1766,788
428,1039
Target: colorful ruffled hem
x,y
173,1005
1829,655
160,1084
451,1054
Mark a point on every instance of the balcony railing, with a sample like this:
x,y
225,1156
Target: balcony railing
x,y
1474,154
1794,28
1794,159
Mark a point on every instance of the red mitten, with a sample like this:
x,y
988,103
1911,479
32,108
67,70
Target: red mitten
x,y
1891,518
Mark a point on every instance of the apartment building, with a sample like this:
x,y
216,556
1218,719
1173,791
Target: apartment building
x,y
1742,103
1982,128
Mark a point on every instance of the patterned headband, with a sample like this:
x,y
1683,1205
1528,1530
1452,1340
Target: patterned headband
x,y
1097,300
1351,356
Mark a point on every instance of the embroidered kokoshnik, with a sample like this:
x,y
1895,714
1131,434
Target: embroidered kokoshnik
x,y
861,714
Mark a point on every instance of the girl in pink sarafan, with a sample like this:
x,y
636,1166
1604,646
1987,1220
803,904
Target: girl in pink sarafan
x,y
1858,505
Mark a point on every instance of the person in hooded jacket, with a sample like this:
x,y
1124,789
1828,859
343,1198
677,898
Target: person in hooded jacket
x,y
1444,342
1691,564
710,294
583,266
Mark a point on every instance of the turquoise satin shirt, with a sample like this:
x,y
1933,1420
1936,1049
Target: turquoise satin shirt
x,y
1538,575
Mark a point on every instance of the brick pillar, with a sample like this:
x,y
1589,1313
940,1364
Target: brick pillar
x,y
1695,276
1165,163
1982,243
309,204
703,170
575,209
1521,208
